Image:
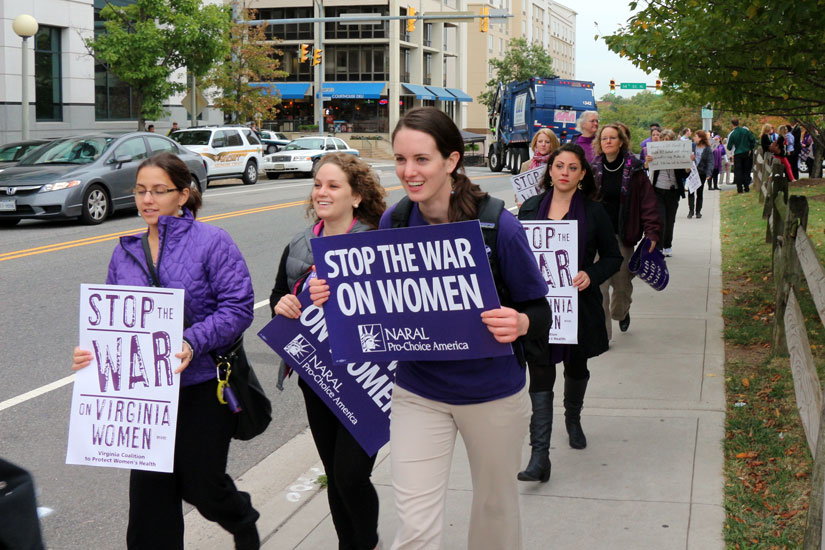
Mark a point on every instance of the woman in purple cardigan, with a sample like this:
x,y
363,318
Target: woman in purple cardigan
x,y
204,261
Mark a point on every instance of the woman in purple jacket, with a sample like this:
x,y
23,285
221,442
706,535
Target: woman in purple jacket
x,y
204,261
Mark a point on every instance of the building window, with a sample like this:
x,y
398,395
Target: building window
x,y
290,31
114,100
428,34
405,65
290,62
48,93
357,63
355,30
490,43
428,68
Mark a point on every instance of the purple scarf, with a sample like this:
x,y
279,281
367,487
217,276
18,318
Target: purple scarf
x,y
563,352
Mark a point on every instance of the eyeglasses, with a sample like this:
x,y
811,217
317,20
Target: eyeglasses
x,y
157,192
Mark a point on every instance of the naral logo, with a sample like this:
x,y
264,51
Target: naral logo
x,y
299,349
372,338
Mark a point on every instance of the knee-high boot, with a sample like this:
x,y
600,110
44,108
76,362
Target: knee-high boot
x,y
573,400
541,425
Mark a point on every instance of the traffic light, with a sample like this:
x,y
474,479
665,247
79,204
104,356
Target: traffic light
x,y
484,21
658,84
612,85
410,22
304,53
316,57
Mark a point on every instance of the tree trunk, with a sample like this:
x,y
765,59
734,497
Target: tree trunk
x,y
818,136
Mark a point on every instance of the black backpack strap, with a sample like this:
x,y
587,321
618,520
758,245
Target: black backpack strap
x,y
400,216
150,265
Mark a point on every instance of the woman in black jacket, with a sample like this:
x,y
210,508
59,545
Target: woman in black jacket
x,y
569,193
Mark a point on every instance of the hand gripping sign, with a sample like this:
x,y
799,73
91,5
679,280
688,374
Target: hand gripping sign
x,y
412,294
125,403
358,394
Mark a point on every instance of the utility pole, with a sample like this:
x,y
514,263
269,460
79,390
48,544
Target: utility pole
x,y
319,69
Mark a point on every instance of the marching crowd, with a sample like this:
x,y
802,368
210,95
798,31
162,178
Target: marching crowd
x,y
492,403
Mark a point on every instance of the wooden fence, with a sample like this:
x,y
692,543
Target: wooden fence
x,y
794,257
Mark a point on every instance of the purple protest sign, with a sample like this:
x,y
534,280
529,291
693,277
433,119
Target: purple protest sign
x,y
359,394
415,293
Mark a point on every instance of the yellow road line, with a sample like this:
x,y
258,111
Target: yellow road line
x,y
111,236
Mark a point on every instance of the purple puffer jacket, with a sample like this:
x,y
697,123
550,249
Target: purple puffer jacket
x,y
204,261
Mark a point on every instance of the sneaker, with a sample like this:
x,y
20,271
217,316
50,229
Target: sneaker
x,y
667,252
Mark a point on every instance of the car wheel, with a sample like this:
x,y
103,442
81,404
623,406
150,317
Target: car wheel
x,y
271,149
272,175
9,222
95,205
250,173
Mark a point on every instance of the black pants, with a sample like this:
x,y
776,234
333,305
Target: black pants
x,y
793,158
201,447
668,203
742,172
543,376
353,502
714,179
696,199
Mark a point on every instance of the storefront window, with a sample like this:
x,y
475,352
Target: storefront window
x,y
48,92
114,100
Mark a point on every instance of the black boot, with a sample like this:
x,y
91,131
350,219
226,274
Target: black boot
x,y
541,425
247,539
573,400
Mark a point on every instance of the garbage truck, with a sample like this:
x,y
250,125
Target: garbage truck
x,y
520,109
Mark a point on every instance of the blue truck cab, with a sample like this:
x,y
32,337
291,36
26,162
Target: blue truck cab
x,y
520,109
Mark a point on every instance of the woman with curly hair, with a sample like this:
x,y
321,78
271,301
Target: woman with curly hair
x,y
346,198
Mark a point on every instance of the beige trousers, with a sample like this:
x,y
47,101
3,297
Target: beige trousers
x,y
422,438
616,304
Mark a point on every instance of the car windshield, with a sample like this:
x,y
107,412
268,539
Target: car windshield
x,y
280,136
13,151
192,137
78,150
308,143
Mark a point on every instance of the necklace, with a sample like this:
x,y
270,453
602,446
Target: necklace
x,y
604,164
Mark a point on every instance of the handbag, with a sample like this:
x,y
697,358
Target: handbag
x,y
19,525
774,148
238,385
649,266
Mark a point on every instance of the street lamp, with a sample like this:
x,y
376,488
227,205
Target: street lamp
x,y
25,26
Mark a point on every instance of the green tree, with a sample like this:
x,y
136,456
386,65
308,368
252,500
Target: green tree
x,y
751,57
252,58
521,62
145,42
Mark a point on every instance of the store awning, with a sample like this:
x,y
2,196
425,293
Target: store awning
x,y
419,92
441,93
459,95
287,90
353,90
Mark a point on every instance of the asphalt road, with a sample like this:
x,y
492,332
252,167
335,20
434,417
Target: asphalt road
x,y
42,265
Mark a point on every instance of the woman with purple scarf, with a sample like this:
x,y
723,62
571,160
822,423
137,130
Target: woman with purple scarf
x,y
631,204
569,193
588,125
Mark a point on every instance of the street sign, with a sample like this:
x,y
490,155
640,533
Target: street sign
x,y
633,86
200,101
707,113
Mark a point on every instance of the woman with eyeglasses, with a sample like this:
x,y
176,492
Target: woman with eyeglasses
x,y
204,261
588,125
631,203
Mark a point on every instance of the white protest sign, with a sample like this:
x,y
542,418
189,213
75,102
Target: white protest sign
x,y
125,403
526,184
669,154
693,182
555,245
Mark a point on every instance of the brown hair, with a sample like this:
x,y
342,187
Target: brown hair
x,y
703,137
466,194
180,175
587,184
554,140
597,143
364,182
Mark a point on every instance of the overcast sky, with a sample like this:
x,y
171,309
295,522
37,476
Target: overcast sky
x,y
594,61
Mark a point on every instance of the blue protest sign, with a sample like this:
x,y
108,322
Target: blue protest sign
x,y
411,294
359,394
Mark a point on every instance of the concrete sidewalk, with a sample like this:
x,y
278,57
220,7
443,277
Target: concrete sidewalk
x,y
651,476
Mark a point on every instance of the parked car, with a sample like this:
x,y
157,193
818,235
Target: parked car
x,y
11,153
230,151
273,141
86,177
302,154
